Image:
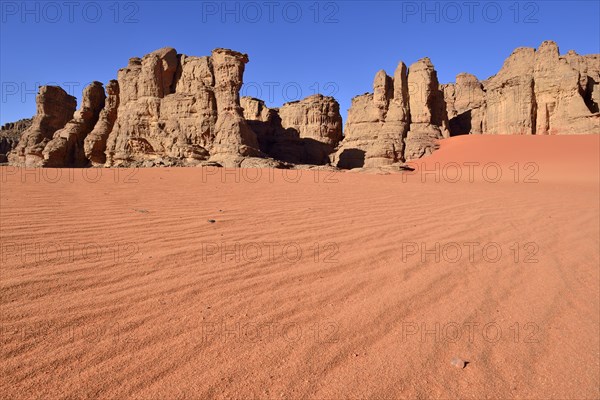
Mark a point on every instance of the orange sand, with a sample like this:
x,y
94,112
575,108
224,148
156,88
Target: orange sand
x,y
309,284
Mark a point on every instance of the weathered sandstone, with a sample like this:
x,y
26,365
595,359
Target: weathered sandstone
x,y
10,134
428,118
402,119
94,145
54,108
66,147
299,132
465,105
377,123
181,108
169,109
538,92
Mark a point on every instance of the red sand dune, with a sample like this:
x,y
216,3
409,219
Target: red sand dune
x,y
308,284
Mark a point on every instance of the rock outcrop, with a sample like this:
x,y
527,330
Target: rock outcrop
x,y
94,145
377,124
510,97
299,132
428,118
589,77
66,147
170,109
402,119
10,134
180,108
536,92
54,108
465,105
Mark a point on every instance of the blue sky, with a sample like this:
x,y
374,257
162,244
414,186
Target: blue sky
x,y
296,48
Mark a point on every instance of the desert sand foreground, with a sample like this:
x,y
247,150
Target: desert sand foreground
x,y
202,283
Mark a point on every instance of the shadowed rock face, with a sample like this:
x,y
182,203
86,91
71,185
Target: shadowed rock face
x,y
465,104
94,145
10,134
402,119
54,108
300,132
377,124
428,118
66,147
172,109
537,92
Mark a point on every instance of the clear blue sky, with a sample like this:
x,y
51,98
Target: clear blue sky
x,y
295,47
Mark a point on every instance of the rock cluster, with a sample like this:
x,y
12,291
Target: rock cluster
x,y
300,132
94,145
465,105
175,107
377,124
536,92
10,134
66,146
54,108
402,119
171,109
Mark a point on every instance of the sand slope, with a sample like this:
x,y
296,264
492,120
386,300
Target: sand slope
x,y
309,284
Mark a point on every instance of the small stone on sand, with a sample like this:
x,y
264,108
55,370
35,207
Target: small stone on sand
x,y
458,362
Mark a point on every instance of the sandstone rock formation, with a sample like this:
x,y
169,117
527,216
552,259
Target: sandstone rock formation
x,y
170,109
428,118
299,132
54,109
465,105
66,147
181,107
589,77
402,119
536,92
94,145
10,134
509,95
377,124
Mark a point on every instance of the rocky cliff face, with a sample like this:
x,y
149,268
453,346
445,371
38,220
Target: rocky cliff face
x,y
54,108
300,132
94,145
377,123
537,92
428,118
172,109
66,147
402,119
164,109
179,108
465,105
10,134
